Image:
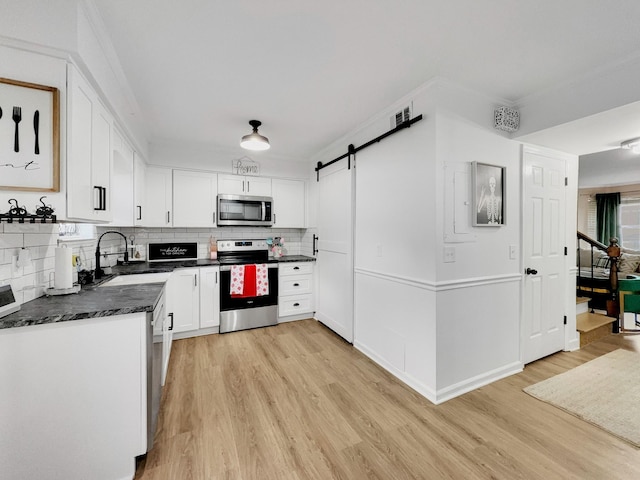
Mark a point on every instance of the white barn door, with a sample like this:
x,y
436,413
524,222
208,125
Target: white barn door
x,y
334,304
544,255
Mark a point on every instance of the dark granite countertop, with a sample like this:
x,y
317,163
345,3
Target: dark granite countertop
x,y
90,302
294,258
153,267
94,301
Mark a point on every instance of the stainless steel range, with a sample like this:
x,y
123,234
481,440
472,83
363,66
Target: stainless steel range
x,y
241,312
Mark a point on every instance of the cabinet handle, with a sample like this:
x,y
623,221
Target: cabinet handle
x,y
296,304
168,217
102,198
315,242
296,268
274,219
214,217
99,197
248,186
171,324
242,186
296,284
216,278
139,212
195,280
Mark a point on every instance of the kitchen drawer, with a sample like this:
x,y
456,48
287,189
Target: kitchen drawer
x,y
295,285
295,268
295,304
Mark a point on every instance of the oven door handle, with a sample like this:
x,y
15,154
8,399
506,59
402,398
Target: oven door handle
x,y
227,268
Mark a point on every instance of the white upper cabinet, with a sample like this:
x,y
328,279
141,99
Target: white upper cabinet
x,y
139,190
244,185
157,207
194,198
289,203
122,199
89,153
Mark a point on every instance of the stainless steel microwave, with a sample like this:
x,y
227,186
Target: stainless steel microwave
x,y
245,210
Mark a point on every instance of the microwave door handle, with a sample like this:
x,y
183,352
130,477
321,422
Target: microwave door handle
x,y
264,210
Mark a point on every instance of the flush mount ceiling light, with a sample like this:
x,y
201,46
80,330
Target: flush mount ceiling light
x,y
633,145
255,141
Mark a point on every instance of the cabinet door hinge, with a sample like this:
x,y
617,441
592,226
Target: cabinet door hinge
x,y
565,319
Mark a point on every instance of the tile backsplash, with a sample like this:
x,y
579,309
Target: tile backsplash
x,y
30,282
294,241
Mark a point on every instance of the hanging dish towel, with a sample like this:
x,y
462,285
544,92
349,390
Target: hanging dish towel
x,y
237,280
249,280
262,279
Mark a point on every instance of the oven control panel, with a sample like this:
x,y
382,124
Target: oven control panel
x,y
241,245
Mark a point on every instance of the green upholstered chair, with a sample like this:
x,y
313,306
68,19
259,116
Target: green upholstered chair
x,y
629,291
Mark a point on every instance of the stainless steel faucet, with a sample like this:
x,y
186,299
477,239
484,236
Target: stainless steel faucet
x,y
99,272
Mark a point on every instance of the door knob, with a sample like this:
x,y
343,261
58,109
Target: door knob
x,y
531,271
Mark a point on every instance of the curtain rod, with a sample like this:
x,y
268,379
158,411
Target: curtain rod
x,y
352,150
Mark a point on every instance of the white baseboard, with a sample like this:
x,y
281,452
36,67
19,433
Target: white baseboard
x,y
293,318
418,386
478,381
196,333
442,395
572,345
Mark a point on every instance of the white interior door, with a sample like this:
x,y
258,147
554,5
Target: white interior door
x,y
544,255
334,305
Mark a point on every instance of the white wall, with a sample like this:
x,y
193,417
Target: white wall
x,y
443,328
604,169
478,294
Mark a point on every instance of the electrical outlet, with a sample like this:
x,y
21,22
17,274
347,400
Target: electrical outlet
x,y
512,252
449,254
378,250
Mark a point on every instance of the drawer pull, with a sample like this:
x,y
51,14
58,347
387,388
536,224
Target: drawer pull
x,y
296,304
296,284
296,268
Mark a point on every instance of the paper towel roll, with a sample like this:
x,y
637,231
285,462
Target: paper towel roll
x,y
64,268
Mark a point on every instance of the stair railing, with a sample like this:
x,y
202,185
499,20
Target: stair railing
x,y
613,252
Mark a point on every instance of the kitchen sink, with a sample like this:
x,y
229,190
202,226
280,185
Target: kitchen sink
x,y
136,279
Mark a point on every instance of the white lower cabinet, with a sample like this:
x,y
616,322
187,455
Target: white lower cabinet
x,y
193,301
209,297
183,299
74,398
295,291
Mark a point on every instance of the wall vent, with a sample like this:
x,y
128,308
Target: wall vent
x,y
401,116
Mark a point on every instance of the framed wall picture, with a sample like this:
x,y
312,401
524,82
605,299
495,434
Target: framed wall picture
x,y
29,136
489,194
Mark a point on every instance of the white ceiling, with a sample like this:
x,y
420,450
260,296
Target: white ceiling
x,y
312,71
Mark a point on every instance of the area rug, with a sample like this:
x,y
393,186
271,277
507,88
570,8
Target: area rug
x,y
604,392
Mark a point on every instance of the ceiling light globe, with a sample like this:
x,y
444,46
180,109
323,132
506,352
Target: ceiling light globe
x,y
254,141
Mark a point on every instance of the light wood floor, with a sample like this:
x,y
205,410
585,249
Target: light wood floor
x,y
296,402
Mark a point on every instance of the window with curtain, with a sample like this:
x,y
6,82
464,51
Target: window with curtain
x,y
607,205
630,221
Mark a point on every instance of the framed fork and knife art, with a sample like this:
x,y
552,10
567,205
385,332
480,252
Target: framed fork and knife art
x,y
29,136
